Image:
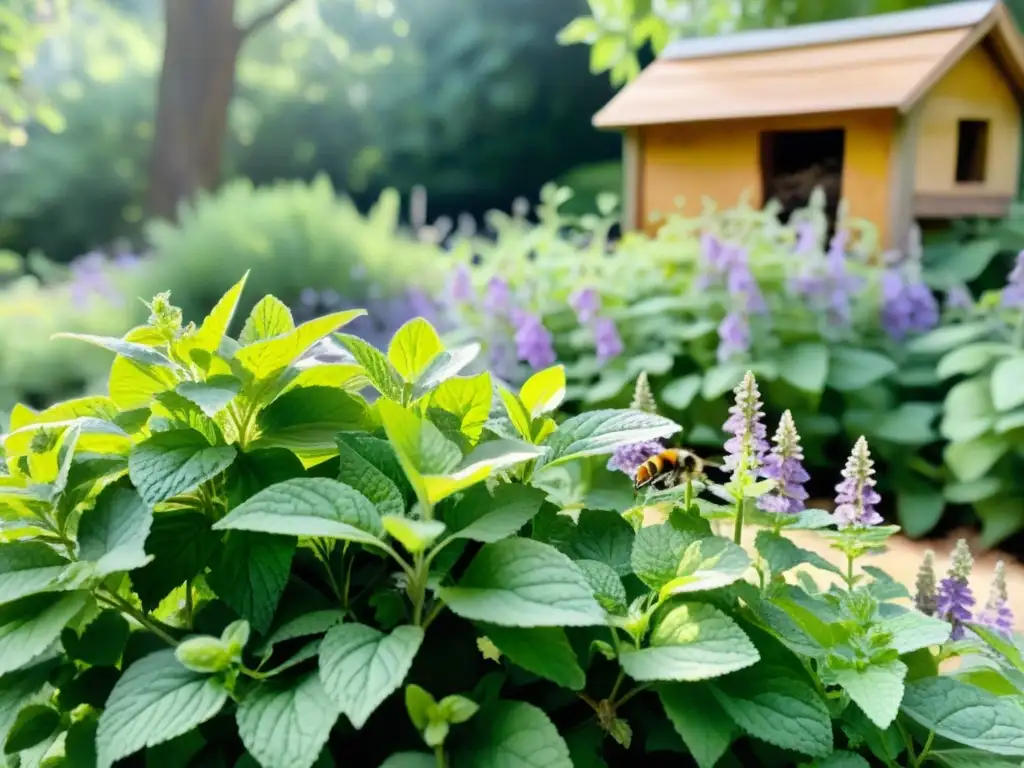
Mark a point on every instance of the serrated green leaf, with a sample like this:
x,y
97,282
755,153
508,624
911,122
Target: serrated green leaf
x,y
469,400
657,552
413,347
414,535
970,758
607,586
693,641
181,544
708,564
876,689
512,734
287,726
544,391
34,724
137,353
307,421
524,583
133,385
28,567
356,469
171,463
113,534
912,631
19,689
360,667
420,446
781,554
250,573
545,651
484,516
378,368
699,720
841,759
599,432
103,640
603,536
447,364
270,317
308,506
777,709
267,358
155,700
516,413
305,625
215,325
28,626
484,461
966,715
212,395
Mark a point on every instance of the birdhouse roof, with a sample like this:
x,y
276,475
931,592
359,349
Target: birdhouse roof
x,y
885,61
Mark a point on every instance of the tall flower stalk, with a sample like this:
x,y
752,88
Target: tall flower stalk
x,y
924,597
746,448
856,498
785,466
997,614
955,599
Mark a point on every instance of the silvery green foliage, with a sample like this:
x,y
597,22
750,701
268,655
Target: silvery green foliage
x,y
233,558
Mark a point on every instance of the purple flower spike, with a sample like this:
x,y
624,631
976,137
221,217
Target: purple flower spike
x,y
958,298
907,306
498,295
733,336
856,496
534,342
1013,293
954,599
997,614
785,466
607,339
586,303
461,285
745,450
806,238
628,458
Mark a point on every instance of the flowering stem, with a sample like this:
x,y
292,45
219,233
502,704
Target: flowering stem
x,y
737,534
688,495
849,571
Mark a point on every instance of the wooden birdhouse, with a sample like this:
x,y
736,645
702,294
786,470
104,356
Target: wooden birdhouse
x,y
905,116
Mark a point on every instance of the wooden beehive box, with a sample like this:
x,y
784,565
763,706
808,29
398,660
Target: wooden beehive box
x,y
905,116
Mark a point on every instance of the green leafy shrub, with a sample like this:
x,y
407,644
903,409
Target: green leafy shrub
x,y
233,559
296,235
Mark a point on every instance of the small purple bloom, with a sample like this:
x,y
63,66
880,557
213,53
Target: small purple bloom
x,y
806,238
628,458
997,614
856,496
907,306
607,339
742,285
955,599
959,298
733,336
785,466
746,448
498,295
534,342
461,287
586,303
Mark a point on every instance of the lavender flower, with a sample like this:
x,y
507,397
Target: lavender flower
x,y
461,286
856,496
826,284
742,285
586,303
733,336
924,598
534,342
628,458
997,614
806,238
907,306
954,596
498,295
958,297
90,279
1013,293
745,450
607,339
785,466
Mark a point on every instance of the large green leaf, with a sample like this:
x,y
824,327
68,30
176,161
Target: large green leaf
x,y
212,395
781,554
877,689
137,353
181,544
966,715
483,515
544,391
949,337
358,470
608,587
18,689
971,358
604,536
308,506
912,631
216,324
447,364
378,368
286,726
155,700
250,573
708,564
360,666
805,366
133,385
171,463
512,734
28,626
269,318
1007,392
469,400
693,641
704,727
599,432
307,421
113,534
657,553
971,460
420,446
969,411
853,368
413,347
545,651
524,583
267,358
28,567
679,393
778,709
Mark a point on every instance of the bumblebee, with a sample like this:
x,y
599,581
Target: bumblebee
x,y
671,467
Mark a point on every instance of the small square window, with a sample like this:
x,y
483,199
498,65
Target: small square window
x,y
971,150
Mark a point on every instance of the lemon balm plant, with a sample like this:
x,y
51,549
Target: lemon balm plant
x,y
232,558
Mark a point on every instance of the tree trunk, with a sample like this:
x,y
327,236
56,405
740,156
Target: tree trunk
x,y
196,85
